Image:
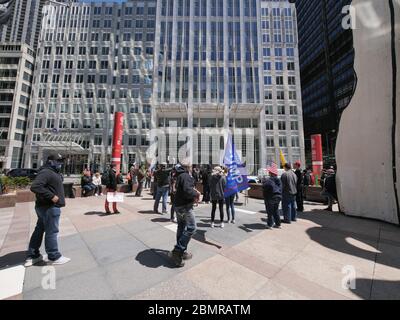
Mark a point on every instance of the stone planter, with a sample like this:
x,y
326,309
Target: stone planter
x,y
8,200
25,196
313,193
256,191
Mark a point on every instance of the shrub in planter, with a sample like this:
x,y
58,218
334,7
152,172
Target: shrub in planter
x,y
9,183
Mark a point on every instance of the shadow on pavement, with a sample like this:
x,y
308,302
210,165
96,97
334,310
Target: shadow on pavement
x,y
161,220
92,213
252,226
337,239
154,258
200,236
381,289
12,259
148,212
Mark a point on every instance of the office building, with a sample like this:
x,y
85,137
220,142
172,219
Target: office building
x,y
16,74
214,65
326,63
94,59
203,66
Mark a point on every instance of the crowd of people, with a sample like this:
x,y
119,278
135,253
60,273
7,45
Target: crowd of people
x,y
180,183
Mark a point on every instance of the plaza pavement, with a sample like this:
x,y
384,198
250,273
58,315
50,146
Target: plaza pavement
x,y
125,256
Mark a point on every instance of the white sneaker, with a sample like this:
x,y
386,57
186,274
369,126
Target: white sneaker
x,y
233,221
60,260
30,262
96,194
212,225
101,194
222,225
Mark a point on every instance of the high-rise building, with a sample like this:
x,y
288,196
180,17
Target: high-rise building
x,y
214,65
202,66
326,63
281,78
16,74
94,59
24,23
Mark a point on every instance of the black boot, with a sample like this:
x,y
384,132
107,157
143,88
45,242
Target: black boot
x,y
177,257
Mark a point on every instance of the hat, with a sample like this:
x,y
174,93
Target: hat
x,y
55,156
163,163
273,169
297,163
218,169
330,171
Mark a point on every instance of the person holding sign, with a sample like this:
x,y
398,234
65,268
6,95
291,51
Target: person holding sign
x,y
111,188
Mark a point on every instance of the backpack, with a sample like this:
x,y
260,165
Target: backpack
x,y
105,178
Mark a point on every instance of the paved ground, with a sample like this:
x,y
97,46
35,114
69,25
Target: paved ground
x,y
125,256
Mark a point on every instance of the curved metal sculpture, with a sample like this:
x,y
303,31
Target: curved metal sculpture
x,y
5,11
368,145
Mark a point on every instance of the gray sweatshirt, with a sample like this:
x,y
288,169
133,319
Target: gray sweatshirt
x,y
289,183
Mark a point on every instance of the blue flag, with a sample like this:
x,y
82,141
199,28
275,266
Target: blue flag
x,y
236,180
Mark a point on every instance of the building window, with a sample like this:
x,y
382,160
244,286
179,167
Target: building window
x,y
281,125
269,125
281,110
282,142
270,141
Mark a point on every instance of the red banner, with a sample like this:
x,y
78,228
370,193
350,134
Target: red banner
x,y
117,140
316,149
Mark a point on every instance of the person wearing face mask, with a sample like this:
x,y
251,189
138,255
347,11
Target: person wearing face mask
x,y
49,191
111,187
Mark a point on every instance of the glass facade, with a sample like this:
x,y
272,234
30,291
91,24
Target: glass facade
x,y
327,76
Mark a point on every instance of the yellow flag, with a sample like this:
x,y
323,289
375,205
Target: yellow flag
x,y
283,160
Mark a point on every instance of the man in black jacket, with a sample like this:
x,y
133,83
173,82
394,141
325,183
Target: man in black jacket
x,y
299,195
112,188
161,178
185,197
48,187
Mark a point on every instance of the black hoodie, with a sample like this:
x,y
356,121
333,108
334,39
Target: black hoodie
x,y
185,192
47,184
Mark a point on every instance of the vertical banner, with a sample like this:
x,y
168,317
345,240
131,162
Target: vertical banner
x,y
236,180
117,140
317,160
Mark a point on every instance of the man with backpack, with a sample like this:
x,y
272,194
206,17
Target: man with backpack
x,y
185,198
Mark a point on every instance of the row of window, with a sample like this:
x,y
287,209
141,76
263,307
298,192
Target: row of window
x,y
83,124
96,78
270,125
101,93
279,80
280,95
88,108
281,110
95,36
282,141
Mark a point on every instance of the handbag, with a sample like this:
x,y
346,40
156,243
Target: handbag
x,y
115,197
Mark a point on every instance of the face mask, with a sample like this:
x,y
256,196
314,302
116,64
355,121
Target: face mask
x,y
56,165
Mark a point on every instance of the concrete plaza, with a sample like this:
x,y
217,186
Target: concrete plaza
x,y
125,256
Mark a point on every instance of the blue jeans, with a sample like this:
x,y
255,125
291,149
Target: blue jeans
x,y
289,207
230,206
186,227
161,192
47,224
